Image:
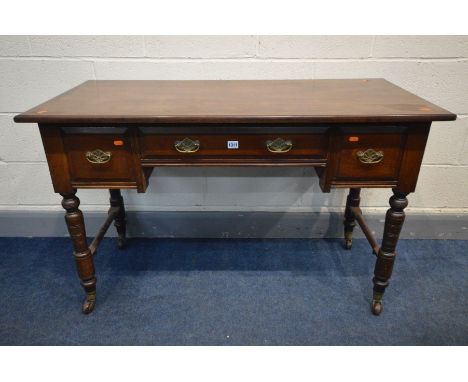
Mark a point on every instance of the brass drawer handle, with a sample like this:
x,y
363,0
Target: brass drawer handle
x,y
98,156
279,145
370,156
187,145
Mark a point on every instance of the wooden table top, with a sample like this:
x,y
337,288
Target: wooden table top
x,y
266,101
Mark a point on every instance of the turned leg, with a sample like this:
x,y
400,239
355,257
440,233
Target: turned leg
x,y
352,200
82,254
120,221
386,256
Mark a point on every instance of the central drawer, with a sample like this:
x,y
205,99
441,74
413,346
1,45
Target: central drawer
x,y
312,146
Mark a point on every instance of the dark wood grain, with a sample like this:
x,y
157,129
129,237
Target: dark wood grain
x,y
274,101
413,153
119,167
386,257
325,124
303,145
52,140
349,222
120,221
349,166
83,257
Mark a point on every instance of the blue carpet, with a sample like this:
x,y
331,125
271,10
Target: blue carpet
x,y
233,292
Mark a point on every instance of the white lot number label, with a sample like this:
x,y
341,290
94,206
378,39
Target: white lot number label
x,y
232,144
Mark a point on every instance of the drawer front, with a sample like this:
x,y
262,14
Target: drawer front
x,y
98,157
210,146
370,156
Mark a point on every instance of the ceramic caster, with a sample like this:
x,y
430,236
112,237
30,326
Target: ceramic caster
x,y
89,302
348,236
377,303
348,243
376,307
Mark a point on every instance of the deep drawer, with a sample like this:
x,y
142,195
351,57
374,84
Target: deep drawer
x,y
96,157
370,156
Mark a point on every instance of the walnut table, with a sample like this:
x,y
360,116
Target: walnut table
x,y
355,133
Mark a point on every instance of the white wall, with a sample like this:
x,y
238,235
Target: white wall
x,y
36,68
